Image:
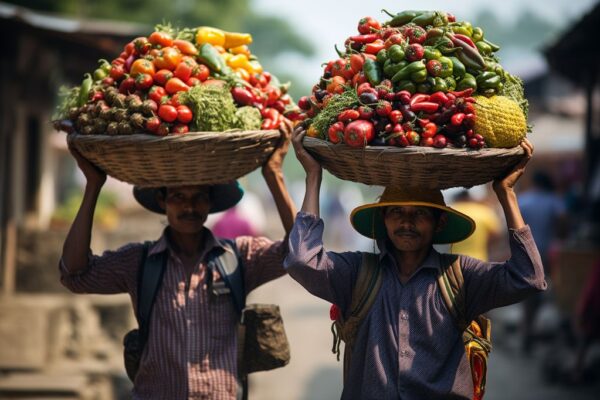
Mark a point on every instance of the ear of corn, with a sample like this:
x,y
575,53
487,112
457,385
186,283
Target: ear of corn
x,y
500,121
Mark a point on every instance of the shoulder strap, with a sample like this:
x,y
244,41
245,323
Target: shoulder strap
x,y
451,282
149,279
366,287
368,283
229,267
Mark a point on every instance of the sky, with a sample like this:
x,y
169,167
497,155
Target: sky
x,y
327,22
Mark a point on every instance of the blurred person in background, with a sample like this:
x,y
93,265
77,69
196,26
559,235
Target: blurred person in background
x,y
191,348
487,226
545,212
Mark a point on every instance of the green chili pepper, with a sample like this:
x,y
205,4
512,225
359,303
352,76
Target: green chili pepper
x,y
467,82
458,68
409,69
105,65
477,34
483,47
84,89
424,87
396,53
406,85
390,68
493,46
440,19
445,45
431,53
424,19
211,57
382,56
403,17
372,71
447,67
99,74
450,83
440,85
419,76
488,80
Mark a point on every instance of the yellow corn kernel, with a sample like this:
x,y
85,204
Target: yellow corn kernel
x,y
500,121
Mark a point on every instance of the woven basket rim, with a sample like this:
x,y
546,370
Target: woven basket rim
x,y
141,137
315,143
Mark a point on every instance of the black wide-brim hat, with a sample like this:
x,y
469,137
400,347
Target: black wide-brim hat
x,y
222,197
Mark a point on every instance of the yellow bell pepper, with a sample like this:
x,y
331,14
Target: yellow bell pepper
x,y
208,34
240,61
242,73
256,67
234,39
243,49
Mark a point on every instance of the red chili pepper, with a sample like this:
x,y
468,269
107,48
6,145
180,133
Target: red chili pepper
x,y
375,47
465,39
439,97
465,93
348,115
457,119
364,39
425,106
356,63
418,98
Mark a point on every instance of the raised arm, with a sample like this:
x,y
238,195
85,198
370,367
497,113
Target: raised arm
x,y
77,244
273,173
492,285
314,173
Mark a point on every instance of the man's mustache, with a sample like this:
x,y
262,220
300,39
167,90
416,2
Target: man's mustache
x,y
405,231
190,216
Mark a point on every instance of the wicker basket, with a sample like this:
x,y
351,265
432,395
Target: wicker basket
x,y
191,159
414,165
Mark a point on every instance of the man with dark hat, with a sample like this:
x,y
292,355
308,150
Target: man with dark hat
x,y
191,347
408,345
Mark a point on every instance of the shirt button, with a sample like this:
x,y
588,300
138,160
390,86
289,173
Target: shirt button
x,y
404,316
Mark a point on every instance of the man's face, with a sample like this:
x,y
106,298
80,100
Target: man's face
x,y
186,207
411,228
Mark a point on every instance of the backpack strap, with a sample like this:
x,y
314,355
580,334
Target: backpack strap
x,y
366,288
229,267
451,283
150,275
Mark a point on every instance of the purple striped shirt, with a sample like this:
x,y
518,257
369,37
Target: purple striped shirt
x,y
192,345
408,346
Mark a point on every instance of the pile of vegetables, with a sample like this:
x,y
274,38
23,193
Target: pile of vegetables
x,y
175,81
415,80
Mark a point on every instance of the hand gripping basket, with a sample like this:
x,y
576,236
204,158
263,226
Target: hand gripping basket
x,y
414,165
191,159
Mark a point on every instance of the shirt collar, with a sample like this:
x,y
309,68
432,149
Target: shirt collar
x,y
210,242
432,261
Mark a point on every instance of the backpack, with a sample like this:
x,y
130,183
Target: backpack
x,y
262,342
476,333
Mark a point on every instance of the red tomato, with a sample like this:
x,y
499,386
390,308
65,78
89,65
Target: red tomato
x,y
162,76
168,58
143,81
183,71
184,114
152,124
201,72
175,100
162,39
180,129
175,85
141,66
130,48
167,112
157,93
117,72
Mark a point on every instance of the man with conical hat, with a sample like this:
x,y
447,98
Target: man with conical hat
x,y
408,345
191,346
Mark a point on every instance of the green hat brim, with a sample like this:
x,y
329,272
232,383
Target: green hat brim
x,y
368,221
